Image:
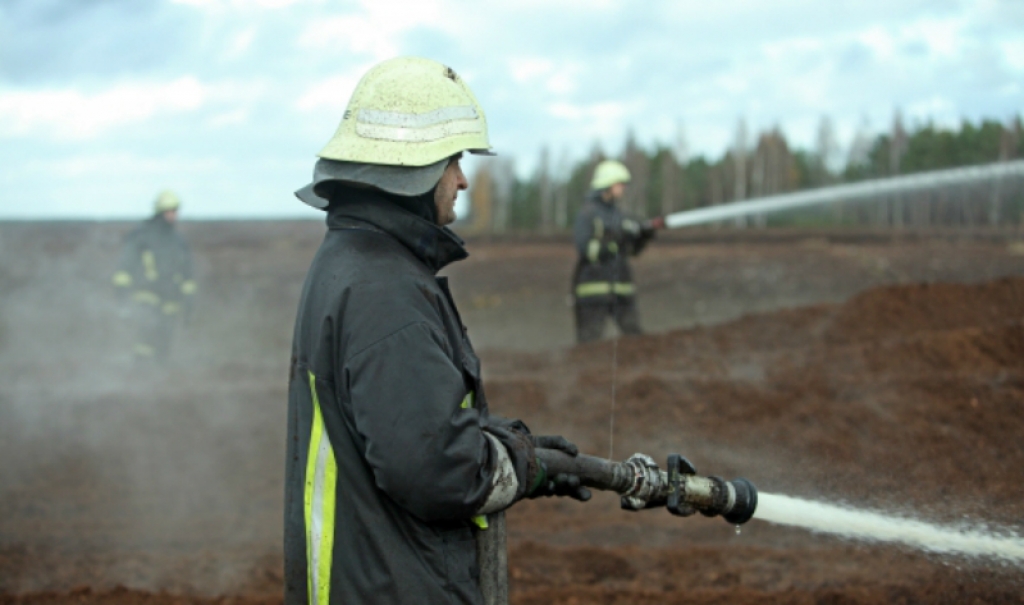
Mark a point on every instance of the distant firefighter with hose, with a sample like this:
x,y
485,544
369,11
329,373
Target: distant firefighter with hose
x,y
155,277
605,238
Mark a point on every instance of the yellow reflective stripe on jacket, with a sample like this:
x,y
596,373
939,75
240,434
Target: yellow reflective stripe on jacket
x,y
149,265
602,288
145,296
480,521
171,308
593,250
122,279
321,480
467,402
188,287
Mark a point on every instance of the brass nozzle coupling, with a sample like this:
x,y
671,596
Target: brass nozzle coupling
x,y
711,496
648,483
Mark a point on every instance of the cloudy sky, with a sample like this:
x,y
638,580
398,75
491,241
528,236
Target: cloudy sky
x,y
105,102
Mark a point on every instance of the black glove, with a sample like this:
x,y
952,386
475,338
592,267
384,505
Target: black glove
x,y
562,484
655,223
555,442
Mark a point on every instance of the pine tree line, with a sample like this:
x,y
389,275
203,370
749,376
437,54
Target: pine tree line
x,y
666,179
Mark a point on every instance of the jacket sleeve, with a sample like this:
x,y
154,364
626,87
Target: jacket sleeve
x,y
635,234
427,450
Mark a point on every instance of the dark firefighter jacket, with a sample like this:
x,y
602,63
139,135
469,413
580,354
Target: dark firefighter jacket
x,y
605,238
156,266
387,458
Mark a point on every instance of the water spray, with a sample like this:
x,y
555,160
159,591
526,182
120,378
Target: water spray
x,y
641,484
874,526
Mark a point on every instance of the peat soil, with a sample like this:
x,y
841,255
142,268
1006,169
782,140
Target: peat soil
x,y
879,372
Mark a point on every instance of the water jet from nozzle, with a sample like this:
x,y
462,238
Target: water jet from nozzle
x,y
880,527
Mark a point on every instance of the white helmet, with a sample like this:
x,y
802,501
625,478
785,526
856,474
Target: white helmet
x,y
609,172
406,118
166,201
409,111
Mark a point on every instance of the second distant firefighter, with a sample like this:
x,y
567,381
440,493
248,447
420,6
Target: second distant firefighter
x,y
605,237
155,274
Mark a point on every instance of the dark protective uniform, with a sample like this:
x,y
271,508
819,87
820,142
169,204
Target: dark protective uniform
x,y
602,281
387,456
155,272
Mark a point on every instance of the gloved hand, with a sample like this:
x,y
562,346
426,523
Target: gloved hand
x,y
655,223
533,477
555,442
562,484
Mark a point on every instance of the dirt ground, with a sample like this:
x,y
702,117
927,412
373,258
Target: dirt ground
x,y
879,371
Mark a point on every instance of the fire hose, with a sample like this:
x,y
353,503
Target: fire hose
x,y
640,485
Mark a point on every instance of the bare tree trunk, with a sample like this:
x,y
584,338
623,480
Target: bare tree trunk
x,y
562,191
740,168
897,147
757,180
668,183
544,191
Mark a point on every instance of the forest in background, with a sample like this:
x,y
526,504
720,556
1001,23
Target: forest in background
x,y
666,179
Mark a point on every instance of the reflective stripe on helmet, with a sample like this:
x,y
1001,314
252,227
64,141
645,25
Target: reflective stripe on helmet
x,y
417,135
416,120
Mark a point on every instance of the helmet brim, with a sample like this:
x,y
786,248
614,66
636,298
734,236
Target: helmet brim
x,y
406,181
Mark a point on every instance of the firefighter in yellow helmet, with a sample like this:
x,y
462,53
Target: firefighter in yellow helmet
x,y
155,277
395,466
605,239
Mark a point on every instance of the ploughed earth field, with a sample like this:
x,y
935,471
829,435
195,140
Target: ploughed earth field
x,y
873,370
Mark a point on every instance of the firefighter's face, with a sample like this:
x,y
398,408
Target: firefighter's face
x,y
448,189
617,191
171,216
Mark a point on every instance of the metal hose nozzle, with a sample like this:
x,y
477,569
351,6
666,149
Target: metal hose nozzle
x,y
643,485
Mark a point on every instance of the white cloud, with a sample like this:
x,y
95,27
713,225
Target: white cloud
x,y
240,43
376,30
238,4
524,69
70,113
332,93
1013,54
229,118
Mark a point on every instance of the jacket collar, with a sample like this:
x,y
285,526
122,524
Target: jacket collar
x,y
434,245
596,198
